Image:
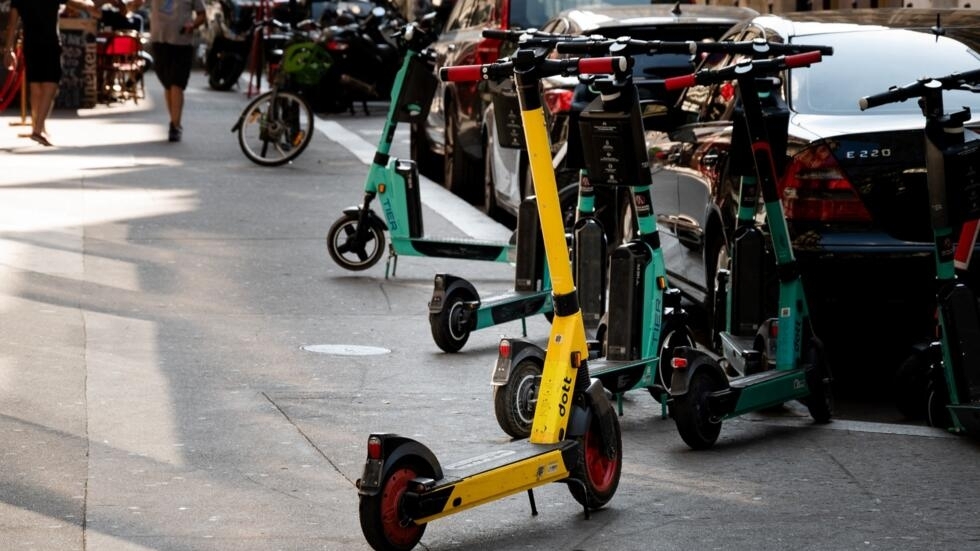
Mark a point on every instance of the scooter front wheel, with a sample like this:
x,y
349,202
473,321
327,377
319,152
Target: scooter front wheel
x,y
820,402
383,520
274,132
514,401
450,326
595,475
692,415
350,252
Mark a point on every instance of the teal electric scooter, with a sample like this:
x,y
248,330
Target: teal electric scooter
x,y
783,359
952,374
356,241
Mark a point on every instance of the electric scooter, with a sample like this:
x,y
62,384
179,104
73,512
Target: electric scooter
x,y
356,241
784,360
645,321
575,436
456,309
953,370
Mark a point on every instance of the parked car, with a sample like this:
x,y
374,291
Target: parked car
x,y
506,180
853,189
448,145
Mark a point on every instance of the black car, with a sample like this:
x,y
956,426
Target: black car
x,y
853,187
506,180
448,147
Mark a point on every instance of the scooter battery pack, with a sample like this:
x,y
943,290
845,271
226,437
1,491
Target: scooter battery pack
x,y
530,248
963,181
627,274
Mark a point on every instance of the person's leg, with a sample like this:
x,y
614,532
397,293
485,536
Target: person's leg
x,y
175,104
42,101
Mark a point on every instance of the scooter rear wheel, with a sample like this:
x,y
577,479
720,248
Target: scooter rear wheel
x,y
273,133
383,522
691,413
514,402
450,328
595,475
346,251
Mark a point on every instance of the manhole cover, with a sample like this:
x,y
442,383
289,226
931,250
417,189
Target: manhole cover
x,y
346,349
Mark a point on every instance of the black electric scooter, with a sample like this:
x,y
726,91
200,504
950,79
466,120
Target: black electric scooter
x,y
784,360
575,437
952,372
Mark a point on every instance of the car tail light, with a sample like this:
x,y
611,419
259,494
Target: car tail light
x,y
487,51
815,189
558,100
336,45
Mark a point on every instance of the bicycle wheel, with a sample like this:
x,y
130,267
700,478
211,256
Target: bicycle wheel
x,y
274,132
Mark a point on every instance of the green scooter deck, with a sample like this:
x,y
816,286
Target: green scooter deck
x,y
513,306
452,248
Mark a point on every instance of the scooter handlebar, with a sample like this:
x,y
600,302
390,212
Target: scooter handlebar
x,y
543,67
954,81
631,46
754,67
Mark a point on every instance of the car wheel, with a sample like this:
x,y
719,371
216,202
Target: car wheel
x,y
458,171
429,164
716,257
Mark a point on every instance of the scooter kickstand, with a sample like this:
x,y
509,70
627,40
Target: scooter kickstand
x,y
585,508
530,498
392,261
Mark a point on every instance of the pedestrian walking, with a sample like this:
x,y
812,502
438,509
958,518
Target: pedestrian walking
x,y
172,24
38,20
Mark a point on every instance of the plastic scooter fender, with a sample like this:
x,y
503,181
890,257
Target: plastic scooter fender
x,y
520,349
394,448
372,217
443,286
696,360
597,404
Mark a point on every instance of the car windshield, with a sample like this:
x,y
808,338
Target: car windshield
x,y
866,63
533,14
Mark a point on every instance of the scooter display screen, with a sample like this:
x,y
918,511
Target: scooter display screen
x,y
613,146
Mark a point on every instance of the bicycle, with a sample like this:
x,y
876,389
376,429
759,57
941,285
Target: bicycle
x,y
277,126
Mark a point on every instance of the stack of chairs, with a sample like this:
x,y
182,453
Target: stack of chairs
x,y
122,67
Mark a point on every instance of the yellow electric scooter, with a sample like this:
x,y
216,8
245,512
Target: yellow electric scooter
x,y
575,437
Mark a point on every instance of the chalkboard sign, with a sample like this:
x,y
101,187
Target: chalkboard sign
x,y
79,86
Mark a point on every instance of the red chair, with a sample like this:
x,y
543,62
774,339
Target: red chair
x,y
123,67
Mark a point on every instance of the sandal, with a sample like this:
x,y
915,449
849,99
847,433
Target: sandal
x,y
39,138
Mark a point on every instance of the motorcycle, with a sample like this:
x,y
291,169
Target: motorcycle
x,y
365,60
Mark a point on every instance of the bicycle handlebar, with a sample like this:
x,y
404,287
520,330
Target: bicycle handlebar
x,y
500,70
895,94
751,67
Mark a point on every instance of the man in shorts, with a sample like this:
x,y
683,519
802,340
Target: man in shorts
x,y
172,24
42,53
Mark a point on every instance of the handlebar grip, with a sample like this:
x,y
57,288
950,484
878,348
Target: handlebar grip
x,y
683,81
499,34
461,73
603,65
804,59
584,46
